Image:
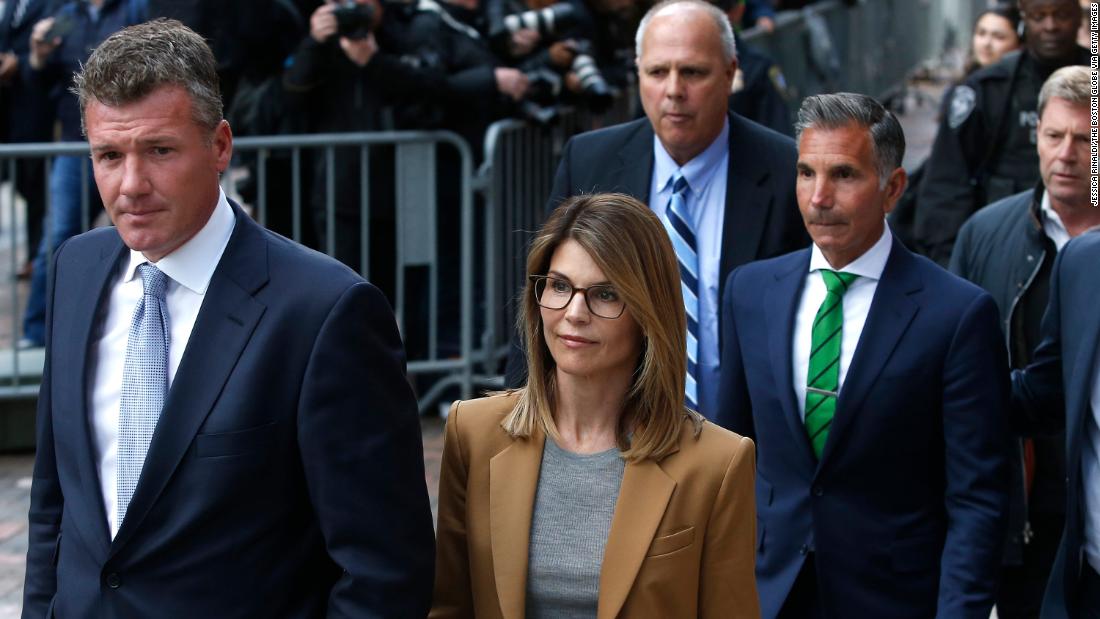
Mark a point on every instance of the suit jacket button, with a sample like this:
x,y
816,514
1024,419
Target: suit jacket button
x,y
819,491
805,549
113,581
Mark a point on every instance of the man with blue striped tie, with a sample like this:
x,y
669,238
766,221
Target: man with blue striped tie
x,y
723,185
874,384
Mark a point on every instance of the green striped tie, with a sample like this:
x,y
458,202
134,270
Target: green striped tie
x,y
822,382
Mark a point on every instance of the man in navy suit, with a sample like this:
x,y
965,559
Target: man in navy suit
x,y
224,424
1063,376
873,382
740,194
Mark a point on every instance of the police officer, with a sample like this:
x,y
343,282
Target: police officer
x,y
985,147
760,91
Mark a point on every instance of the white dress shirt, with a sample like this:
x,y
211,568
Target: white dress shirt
x,y
706,175
1052,224
856,305
189,269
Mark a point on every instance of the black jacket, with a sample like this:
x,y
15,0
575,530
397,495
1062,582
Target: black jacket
x,y
1004,250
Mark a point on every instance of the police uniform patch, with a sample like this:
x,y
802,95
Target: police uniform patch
x,y
780,82
962,104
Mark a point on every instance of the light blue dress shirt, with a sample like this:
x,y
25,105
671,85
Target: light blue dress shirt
x,y
706,201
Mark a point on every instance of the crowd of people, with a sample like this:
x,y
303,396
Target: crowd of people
x,y
736,388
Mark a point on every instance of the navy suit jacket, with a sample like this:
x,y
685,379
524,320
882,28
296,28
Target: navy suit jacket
x,y
761,219
285,477
1060,378
904,511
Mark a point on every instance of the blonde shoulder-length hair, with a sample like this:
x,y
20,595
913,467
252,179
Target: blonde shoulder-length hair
x,y
631,247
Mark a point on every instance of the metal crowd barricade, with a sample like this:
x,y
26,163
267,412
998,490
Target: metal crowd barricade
x,y
417,235
415,207
515,180
21,370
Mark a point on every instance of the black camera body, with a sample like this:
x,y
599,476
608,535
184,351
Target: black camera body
x,y
354,20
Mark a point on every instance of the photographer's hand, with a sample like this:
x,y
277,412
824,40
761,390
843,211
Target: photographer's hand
x,y
40,47
523,41
360,51
322,24
9,64
511,82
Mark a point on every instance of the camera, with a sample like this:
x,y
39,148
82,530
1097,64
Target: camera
x,y
540,103
354,20
593,85
548,21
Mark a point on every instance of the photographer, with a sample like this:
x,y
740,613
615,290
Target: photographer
x,y
332,76
24,113
367,66
59,44
555,45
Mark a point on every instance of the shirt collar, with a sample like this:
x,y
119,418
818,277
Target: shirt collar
x,y
699,170
1050,216
869,266
192,264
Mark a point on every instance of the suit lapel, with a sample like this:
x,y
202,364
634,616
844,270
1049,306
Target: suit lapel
x,y
645,492
892,310
91,293
223,327
747,201
635,165
781,304
513,480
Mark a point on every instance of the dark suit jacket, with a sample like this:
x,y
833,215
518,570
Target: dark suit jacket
x,y
285,476
905,509
1060,378
680,543
761,219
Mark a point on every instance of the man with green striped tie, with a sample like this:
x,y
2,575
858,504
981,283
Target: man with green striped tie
x,y
873,383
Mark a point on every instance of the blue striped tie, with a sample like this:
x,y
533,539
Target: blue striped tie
x,y
144,382
682,233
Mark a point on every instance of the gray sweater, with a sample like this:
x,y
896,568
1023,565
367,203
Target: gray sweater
x,y
574,504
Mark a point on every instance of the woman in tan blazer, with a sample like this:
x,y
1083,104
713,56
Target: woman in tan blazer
x,y
593,491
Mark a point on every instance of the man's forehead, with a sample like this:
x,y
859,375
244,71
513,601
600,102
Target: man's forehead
x,y
1059,109
682,19
830,147
1044,5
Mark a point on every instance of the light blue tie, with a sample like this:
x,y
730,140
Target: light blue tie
x,y
144,382
682,232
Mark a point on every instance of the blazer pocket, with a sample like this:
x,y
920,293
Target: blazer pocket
x,y
669,544
235,443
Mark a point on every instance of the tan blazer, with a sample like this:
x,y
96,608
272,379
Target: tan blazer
x,y
682,540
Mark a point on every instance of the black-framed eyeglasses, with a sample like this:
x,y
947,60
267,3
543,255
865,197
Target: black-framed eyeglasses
x,y
555,294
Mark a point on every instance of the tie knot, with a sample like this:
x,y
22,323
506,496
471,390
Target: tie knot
x,y
680,184
154,280
837,282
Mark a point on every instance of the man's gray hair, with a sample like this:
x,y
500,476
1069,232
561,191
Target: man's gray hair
x,y
721,22
839,110
1071,84
133,62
